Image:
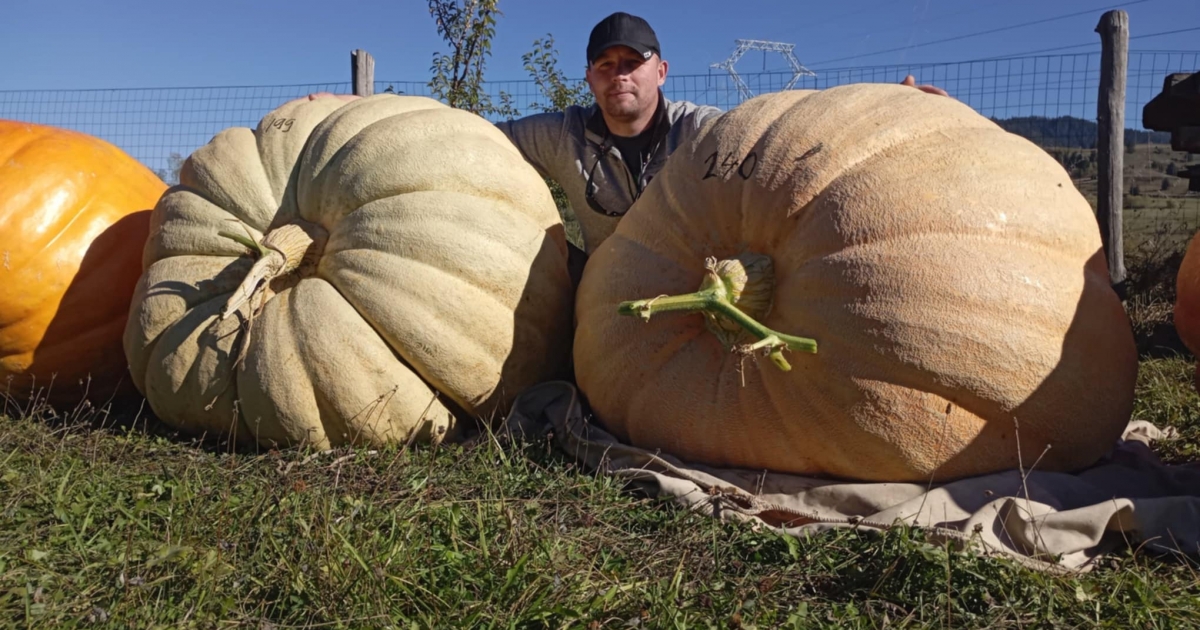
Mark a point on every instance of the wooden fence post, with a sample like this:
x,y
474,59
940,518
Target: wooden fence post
x,y
362,72
1110,118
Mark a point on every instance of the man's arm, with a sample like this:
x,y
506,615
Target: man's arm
x,y
694,115
705,112
539,138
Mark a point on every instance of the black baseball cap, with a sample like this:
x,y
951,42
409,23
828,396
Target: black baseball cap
x,y
622,29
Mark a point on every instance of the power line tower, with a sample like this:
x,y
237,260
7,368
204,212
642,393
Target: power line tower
x,y
746,45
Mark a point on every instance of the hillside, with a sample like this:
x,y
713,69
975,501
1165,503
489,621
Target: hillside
x,y
1069,131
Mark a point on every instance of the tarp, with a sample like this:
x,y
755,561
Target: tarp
x,y
1047,521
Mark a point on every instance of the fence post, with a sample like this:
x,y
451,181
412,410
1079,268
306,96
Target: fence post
x,y
362,72
1110,119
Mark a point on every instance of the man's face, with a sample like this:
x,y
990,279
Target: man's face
x,y
625,84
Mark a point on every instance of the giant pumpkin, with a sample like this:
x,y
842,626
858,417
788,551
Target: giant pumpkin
x,y
1186,315
866,282
351,271
74,214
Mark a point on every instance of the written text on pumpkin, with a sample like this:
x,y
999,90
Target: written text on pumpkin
x,y
733,294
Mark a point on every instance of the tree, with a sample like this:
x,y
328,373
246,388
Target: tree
x,y
1074,162
560,93
542,65
468,27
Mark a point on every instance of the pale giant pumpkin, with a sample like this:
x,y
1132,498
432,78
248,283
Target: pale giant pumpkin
x,y
74,214
360,271
930,291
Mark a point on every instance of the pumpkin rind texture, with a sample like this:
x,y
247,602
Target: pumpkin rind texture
x,y
74,214
428,278
1186,315
950,273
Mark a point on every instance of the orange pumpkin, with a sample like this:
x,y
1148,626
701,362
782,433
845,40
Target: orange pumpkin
x,y
950,273
74,216
1187,301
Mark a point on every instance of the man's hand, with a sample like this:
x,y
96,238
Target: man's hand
x,y
345,97
929,89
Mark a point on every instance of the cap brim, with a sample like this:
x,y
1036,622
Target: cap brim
x,y
640,48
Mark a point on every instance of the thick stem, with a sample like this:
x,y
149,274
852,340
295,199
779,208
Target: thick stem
x,y
264,270
280,252
713,299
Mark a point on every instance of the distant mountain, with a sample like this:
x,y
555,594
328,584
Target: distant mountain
x,y
1068,131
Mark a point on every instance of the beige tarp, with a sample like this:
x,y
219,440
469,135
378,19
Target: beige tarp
x,y
1048,521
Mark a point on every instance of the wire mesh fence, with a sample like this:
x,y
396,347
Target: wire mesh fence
x,y
154,123
1050,99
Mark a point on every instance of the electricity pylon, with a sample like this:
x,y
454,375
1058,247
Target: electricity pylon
x,y
745,45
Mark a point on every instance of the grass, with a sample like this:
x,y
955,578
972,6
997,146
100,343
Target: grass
x,y
108,521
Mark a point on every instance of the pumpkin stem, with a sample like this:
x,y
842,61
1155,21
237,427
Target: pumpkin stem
x,y
728,284
266,268
280,252
774,346
245,241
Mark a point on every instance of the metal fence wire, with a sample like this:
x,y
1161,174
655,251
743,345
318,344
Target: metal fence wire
x,y
1050,99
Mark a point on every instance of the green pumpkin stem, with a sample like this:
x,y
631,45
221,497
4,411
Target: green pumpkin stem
x,y
245,241
714,298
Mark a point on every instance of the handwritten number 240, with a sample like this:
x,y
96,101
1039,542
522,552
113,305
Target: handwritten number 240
x,y
721,167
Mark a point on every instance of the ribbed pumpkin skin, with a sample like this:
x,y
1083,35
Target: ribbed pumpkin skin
x,y
443,282
949,271
1186,315
74,214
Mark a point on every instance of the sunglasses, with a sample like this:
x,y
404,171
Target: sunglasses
x,y
588,188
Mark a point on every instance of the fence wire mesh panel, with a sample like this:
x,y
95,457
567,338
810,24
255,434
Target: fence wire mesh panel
x,y
157,126
1050,99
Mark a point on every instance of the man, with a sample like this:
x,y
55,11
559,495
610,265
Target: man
x,y
603,156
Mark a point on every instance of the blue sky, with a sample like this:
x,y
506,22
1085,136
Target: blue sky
x,y
71,44
160,78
